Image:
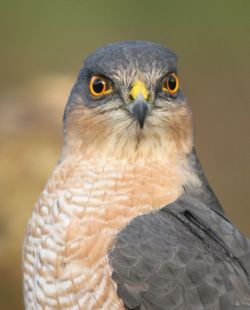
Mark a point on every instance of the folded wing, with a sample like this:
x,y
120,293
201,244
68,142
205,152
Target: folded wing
x,y
185,256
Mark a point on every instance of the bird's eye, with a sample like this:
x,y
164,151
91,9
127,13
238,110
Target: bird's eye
x,y
99,86
171,84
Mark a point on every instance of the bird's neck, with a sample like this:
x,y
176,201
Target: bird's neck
x,y
148,180
166,137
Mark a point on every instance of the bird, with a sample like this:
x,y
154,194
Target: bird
x,y
127,219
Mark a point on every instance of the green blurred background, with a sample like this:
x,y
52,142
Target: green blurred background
x,y
43,44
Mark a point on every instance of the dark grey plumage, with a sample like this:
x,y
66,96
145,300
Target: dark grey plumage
x,y
120,56
185,256
203,192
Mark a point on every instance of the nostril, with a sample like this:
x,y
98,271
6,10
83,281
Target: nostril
x,y
131,97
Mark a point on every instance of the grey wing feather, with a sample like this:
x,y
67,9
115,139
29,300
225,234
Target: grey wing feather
x,y
185,256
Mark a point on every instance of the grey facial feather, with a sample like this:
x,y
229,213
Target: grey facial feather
x,y
123,63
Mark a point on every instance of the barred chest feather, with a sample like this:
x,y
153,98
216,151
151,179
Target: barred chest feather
x,y
84,205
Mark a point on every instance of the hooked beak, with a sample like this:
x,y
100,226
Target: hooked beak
x,y
139,107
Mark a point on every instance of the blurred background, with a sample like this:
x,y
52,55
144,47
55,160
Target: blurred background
x,y
43,44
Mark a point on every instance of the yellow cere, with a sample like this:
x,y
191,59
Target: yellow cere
x,y
139,87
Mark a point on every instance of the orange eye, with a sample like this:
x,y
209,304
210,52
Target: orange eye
x,y
99,86
171,84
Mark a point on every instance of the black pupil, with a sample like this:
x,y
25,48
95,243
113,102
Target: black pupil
x,y
98,86
171,82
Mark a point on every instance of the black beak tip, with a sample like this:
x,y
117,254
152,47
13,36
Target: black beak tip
x,y
141,122
140,111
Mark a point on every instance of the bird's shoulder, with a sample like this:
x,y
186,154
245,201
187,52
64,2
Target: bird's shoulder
x,y
184,256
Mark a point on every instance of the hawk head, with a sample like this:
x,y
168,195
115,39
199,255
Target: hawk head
x,y
127,102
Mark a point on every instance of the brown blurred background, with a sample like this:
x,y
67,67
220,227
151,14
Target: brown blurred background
x,y
43,44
